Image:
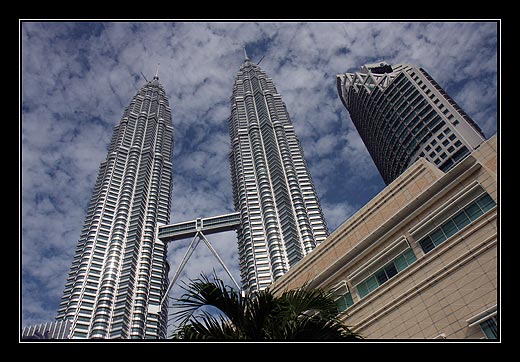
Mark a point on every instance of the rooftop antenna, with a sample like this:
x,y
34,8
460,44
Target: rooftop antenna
x,y
144,77
246,58
156,76
260,60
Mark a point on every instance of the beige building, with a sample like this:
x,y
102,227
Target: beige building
x,y
420,259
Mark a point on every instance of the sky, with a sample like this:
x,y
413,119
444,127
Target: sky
x,y
77,77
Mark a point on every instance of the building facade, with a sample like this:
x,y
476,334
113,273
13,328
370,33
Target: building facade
x,y
51,330
402,114
420,259
119,267
281,217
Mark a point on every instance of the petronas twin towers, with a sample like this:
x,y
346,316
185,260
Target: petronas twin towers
x,y
119,274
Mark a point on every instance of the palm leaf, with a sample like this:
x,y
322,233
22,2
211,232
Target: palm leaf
x,y
303,313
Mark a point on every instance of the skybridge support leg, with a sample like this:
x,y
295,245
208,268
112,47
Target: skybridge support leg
x,y
191,248
219,259
193,245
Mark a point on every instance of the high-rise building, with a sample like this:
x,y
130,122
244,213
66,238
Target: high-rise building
x,y
281,217
402,114
119,268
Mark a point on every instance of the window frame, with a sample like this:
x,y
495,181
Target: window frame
x,y
472,211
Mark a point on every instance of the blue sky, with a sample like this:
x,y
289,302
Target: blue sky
x,y
77,77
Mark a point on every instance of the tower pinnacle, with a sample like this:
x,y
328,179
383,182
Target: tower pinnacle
x,y
156,76
246,58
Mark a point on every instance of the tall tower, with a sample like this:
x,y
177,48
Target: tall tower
x,y
119,268
402,114
281,217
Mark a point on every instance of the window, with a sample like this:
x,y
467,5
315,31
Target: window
x,y
344,301
342,296
489,327
387,272
487,321
457,222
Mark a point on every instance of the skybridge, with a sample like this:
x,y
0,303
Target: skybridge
x,y
207,225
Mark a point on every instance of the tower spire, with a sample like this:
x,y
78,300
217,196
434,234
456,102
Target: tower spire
x,y
156,76
246,58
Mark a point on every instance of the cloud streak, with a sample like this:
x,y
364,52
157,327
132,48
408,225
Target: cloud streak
x,y
77,78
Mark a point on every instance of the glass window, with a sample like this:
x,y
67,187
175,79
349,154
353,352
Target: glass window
x,y
486,202
362,289
381,276
372,283
473,211
449,228
457,222
437,237
387,272
344,302
489,327
400,263
391,270
461,220
409,256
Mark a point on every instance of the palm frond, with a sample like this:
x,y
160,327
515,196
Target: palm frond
x,y
203,292
259,310
307,301
207,327
302,313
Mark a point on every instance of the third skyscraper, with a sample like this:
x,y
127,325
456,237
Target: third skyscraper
x,y
402,113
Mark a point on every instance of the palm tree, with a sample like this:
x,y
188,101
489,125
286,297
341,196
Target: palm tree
x,y
300,314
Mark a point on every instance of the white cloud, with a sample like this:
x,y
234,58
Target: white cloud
x,y
337,213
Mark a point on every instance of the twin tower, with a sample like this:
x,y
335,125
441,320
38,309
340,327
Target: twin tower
x,y
119,275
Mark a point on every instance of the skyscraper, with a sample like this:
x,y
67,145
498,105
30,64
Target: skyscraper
x,y
119,268
281,217
401,114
